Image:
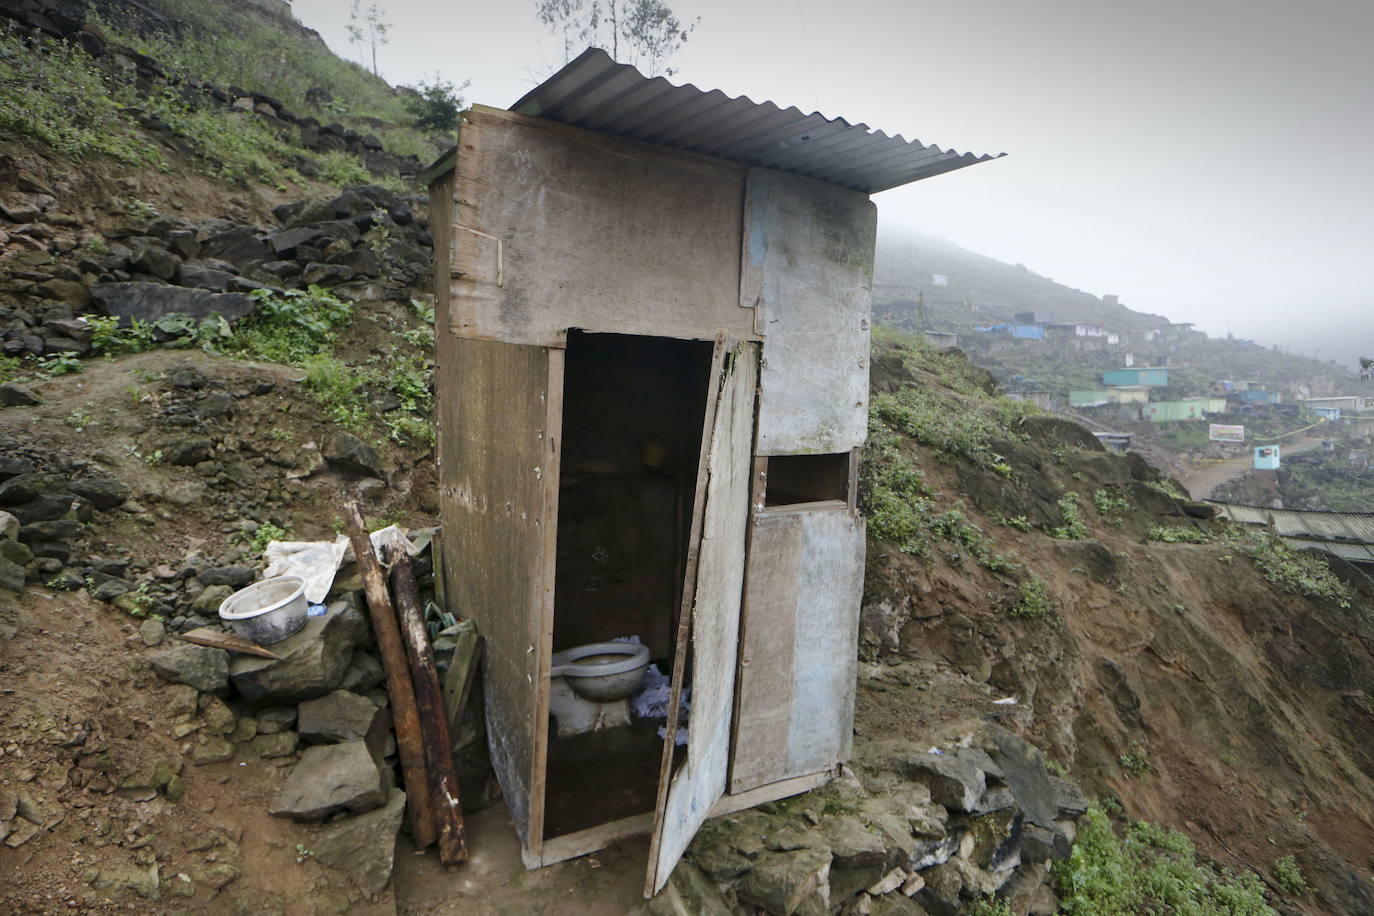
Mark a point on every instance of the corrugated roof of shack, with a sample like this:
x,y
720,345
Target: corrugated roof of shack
x,y
596,93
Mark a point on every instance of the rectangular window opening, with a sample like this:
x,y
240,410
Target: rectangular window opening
x,y
797,479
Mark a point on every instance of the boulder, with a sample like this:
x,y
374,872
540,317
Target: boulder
x,y
232,576
331,778
44,508
364,846
281,744
780,881
12,395
28,487
202,276
364,673
689,892
211,750
54,530
239,245
12,575
312,663
13,465
151,301
197,666
186,451
149,257
276,719
349,453
152,632
207,603
16,552
1023,770
101,492
338,716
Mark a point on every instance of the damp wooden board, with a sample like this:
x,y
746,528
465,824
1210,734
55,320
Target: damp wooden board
x,y
499,410
715,615
558,227
798,645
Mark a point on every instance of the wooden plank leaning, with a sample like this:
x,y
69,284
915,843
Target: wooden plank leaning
x,y
429,698
404,714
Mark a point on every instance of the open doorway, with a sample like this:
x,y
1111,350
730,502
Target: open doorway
x,y
633,412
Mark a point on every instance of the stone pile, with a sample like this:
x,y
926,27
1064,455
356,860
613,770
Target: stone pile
x,y
366,243
906,831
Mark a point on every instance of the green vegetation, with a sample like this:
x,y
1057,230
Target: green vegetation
x,y
266,534
1073,528
1300,573
990,906
291,327
1148,870
1110,506
65,363
1289,876
1135,761
1036,602
930,420
1178,534
53,92
436,105
1019,522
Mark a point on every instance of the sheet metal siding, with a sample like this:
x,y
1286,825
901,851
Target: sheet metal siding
x,y
597,93
1347,534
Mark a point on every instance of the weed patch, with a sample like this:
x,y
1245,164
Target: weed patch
x,y
1148,870
1300,573
1036,602
1073,528
1178,534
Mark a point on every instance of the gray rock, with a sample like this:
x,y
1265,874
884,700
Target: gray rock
x,y
364,846
281,744
183,244
152,632
780,881
955,779
852,845
16,552
197,666
212,750
233,576
940,896
689,892
151,301
207,603
285,243
364,673
239,245
12,575
13,466
328,779
108,588
149,257
101,492
9,527
1068,798
186,450
25,488
338,716
203,277
188,378
349,453
43,508
1023,770
12,395
312,663
56,530
276,719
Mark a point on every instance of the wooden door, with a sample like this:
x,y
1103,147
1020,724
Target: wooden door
x,y
713,591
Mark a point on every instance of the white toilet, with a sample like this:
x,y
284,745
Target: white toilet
x,y
591,685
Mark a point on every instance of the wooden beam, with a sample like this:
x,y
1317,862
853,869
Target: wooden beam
x,y
429,698
404,714
204,636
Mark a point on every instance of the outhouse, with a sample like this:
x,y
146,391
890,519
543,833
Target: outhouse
x,y
653,336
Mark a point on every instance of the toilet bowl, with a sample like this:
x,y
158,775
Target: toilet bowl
x,y
590,686
602,671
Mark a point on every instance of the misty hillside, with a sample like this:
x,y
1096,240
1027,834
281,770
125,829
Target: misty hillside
x,y
979,291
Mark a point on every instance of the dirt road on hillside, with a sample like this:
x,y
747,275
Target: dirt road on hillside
x,y
1202,480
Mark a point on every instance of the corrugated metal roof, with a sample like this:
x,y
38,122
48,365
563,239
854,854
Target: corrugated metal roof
x,y
1345,534
595,92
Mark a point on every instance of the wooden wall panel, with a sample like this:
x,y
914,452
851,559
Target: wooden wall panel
x,y
807,270
499,408
557,227
798,646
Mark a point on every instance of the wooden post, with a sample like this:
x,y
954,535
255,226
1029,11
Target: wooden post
x,y
404,714
429,697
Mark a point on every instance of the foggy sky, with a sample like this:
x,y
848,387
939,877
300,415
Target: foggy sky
x,y
1203,159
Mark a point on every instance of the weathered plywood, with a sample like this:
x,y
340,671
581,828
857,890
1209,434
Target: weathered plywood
x,y
798,645
807,271
558,227
726,475
498,429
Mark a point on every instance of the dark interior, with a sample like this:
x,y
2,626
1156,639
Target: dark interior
x,y
633,409
794,479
